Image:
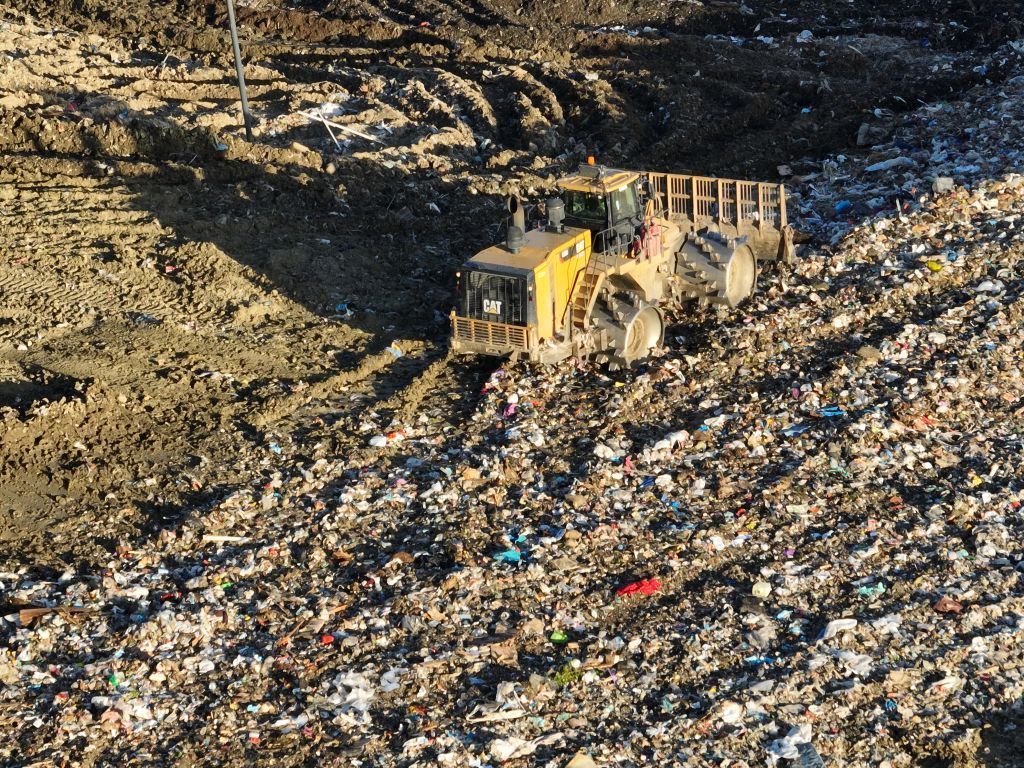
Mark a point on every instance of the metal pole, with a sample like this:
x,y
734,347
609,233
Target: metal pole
x,y
246,117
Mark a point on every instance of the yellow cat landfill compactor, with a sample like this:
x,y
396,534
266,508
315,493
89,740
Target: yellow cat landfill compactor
x,y
617,247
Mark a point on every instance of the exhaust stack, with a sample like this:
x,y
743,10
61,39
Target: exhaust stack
x,y
517,229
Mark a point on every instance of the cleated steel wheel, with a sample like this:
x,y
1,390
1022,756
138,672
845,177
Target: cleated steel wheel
x,y
716,270
630,330
643,335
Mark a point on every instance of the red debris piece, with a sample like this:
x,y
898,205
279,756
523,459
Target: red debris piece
x,y
645,587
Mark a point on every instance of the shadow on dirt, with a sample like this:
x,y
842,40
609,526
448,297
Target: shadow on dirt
x,y
38,386
1002,739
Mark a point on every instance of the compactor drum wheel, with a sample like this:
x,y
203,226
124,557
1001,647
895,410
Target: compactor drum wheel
x,y
643,334
740,276
630,330
717,270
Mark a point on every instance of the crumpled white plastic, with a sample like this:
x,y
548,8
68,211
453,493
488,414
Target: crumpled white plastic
x,y
786,747
836,626
511,748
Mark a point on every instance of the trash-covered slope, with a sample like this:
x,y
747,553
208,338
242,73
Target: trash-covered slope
x,y
804,518
278,525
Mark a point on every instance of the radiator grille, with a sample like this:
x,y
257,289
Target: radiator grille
x,y
495,298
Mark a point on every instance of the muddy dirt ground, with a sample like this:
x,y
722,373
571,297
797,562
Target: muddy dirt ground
x,y
171,312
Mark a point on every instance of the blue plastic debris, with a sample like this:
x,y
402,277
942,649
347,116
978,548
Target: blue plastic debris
x,y
871,590
831,411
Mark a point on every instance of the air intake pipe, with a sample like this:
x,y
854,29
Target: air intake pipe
x,y
556,213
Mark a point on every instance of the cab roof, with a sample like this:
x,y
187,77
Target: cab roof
x,y
598,179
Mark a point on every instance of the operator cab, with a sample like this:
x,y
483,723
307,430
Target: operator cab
x,y
605,201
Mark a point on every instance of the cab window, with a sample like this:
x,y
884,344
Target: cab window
x,y
585,205
625,204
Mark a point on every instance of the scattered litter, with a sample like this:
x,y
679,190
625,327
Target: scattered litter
x,y
826,486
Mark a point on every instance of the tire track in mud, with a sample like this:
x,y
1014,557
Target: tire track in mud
x,y
429,381
65,297
470,96
89,273
371,364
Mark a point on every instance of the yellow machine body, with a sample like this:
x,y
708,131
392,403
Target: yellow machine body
x,y
590,284
548,263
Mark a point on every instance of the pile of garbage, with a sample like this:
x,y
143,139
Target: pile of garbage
x,y
794,536
907,158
